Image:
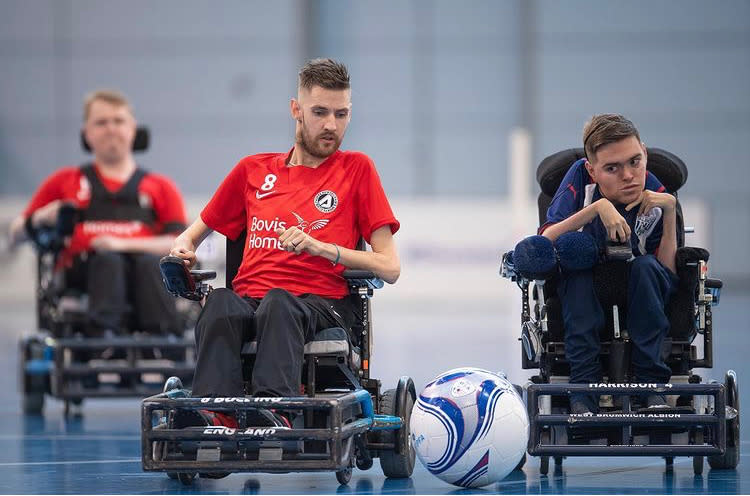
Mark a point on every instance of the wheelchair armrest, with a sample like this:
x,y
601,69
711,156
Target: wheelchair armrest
x,y
362,279
690,256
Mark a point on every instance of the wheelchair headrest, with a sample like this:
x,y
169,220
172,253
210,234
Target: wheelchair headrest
x,y
140,143
666,166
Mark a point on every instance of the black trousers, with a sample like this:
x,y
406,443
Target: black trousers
x,y
280,322
125,291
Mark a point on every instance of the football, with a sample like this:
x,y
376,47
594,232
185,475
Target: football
x,y
469,427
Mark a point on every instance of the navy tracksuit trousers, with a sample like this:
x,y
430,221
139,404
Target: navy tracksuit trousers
x,y
649,289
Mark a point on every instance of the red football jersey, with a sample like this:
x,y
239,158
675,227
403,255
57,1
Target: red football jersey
x,y
338,202
154,191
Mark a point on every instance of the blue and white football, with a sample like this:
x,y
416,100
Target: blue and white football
x,y
469,427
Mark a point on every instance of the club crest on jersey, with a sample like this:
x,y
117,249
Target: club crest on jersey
x,y
144,200
84,189
306,227
326,201
645,223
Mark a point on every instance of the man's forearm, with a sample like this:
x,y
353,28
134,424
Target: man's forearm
x,y
385,265
17,231
157,245
668,245
194,235
572,223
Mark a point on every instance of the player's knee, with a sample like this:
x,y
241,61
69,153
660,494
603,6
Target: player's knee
x,y
644,265
146,262
275,298
279,303
106,260
216,311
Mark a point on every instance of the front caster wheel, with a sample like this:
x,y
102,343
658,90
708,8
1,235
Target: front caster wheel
x,y
344,476
186,478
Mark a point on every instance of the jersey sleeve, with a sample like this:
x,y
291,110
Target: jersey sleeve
x,y
51,189
373,206
226,212
568,198
169,207
653,183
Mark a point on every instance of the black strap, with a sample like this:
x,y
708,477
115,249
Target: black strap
x,y
122,204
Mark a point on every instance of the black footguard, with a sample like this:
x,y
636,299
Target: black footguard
x,y
180,281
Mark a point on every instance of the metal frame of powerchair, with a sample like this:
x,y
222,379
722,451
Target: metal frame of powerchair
x,y
630,432
704,423
350,434
47,367
276,450
46,361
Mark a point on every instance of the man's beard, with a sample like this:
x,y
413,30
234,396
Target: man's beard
x,y
311,147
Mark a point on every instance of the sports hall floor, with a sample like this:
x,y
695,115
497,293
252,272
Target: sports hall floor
x,y
99,452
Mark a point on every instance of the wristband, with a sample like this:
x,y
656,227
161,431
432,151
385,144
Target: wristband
x,y
338,255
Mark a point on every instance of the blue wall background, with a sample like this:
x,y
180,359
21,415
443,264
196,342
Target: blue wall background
x,y
438,86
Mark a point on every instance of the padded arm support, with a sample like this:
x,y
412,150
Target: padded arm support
x,y
363,278
688,255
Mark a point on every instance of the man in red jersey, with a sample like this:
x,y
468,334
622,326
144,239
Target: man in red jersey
x,y
304,212
126,218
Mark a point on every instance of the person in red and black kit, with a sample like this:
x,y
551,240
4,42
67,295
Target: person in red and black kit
x,y
304,212
126,218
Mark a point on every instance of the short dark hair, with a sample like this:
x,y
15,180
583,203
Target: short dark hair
x,y
603,129
326,73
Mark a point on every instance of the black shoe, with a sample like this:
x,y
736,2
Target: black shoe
x,y
582,404
656,401
281,420
193,418
263,417
200,418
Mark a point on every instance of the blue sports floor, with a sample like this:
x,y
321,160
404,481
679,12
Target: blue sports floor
x,y
99,452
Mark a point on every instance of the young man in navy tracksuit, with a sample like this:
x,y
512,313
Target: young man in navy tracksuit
x,y
611,195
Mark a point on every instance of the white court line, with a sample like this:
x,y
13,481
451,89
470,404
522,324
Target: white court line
x,y
71,437
71,462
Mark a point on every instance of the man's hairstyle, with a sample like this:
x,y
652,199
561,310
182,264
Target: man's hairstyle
x,y
603,129
326,73
110,96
